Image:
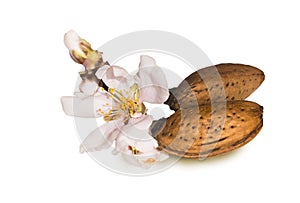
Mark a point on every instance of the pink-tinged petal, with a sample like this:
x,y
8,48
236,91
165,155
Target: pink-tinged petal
x,y
131,159
81,51
147,146
142,153
136,145
121,144
152,81
137,128
72,40
147,61
101,138
101,71
150,155
117,77
154,94
88,87
86,106
143,122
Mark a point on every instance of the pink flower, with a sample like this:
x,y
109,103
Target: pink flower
x,y
123,110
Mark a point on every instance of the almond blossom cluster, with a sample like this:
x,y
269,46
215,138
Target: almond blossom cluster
x,y
111,93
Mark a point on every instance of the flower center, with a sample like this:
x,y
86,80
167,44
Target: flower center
x,y
128,104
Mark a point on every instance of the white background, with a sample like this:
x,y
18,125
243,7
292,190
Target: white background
x,y
39,147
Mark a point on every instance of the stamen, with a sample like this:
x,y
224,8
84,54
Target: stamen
x,y
112,90
127,106
134,150
101,111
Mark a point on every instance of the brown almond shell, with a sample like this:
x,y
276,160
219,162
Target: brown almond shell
x,y
209,130
219,83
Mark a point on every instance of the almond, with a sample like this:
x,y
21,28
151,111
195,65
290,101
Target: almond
x,y
216,84
208,130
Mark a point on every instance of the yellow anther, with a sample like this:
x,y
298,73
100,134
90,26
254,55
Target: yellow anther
x,y
112,90
134,150
130,103
123,107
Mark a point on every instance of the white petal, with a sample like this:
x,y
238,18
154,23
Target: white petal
x,y
88,87
147,146
85,106
152,81
101,138
154,94
72,40
147,153
141,123
150,155
147,61
101,71
137,128
117,77
121,144
131,159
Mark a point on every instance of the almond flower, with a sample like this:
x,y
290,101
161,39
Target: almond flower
x,y
122,107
